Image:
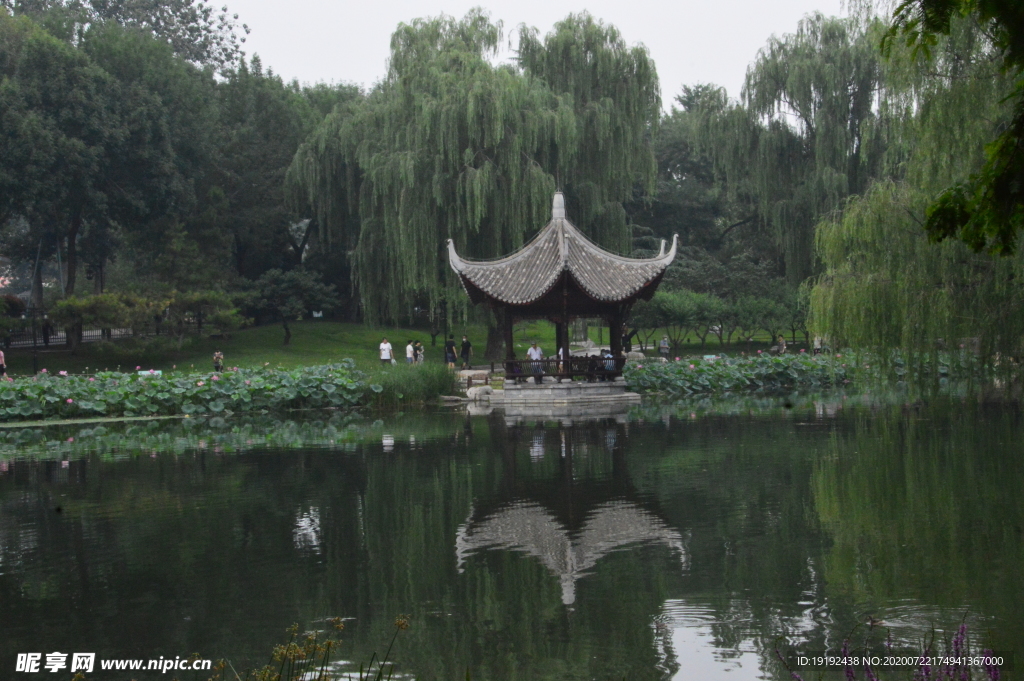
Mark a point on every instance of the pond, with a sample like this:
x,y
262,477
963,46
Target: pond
x,y
690,541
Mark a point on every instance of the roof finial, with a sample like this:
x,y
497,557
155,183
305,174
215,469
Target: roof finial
x,y
558,207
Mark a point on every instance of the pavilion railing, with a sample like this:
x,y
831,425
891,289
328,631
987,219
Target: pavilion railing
x,y
590,368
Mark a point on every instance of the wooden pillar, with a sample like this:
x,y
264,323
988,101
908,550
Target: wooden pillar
x,y
615,334
509,322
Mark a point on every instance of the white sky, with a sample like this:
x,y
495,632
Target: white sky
x,y
690,41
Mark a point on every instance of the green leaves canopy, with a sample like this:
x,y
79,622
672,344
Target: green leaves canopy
x,y
453,146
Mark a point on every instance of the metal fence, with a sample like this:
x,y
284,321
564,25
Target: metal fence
x,y
48,336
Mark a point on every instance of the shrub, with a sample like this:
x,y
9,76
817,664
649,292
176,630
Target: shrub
x,y
12,306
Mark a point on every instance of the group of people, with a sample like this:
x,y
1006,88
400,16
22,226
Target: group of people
x,y
414,352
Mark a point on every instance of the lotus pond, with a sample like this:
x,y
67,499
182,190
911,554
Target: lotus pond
x,y
688,540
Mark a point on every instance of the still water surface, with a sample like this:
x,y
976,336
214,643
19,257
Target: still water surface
x,y
678,543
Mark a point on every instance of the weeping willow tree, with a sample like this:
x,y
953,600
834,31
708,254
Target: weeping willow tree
x,y
885,283
451,145
807,133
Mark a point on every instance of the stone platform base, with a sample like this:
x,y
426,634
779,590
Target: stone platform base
x,y
562,394
567,402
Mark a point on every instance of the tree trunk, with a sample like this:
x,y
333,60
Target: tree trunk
x,y
287,332
72,263
37,286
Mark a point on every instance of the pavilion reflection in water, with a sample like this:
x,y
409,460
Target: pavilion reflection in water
x,y
570,523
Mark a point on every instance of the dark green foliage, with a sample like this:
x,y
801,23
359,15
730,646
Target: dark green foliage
x,y
196,31
286,296
681,313
118,152
11,306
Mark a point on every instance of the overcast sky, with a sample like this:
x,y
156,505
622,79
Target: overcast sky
x,y
691,42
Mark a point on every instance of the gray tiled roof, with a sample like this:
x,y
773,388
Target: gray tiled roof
x,y
528,274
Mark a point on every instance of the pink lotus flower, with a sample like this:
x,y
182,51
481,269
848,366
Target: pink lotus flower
x,y
71,439
201,383
70,400
838,355
638,366
250,382
691,366
152,371
216,377
91,378
137,368
802,350
63,373
759,352
42,371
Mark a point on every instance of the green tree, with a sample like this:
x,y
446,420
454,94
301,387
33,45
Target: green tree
x,y
885,284
262,122
286,296
85,151
197,32
986,209
808,133
452,146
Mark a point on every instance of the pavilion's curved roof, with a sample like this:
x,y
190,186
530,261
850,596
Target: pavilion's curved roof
x,y
529,273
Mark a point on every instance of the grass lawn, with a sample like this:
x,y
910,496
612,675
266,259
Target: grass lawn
x,y
313,342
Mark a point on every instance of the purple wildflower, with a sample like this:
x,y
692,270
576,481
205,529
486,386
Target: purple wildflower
x,y
990,669
847,668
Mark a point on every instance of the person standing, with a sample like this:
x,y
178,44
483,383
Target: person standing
x,y
218,361
663,347
467,351
410,353
385,352
536,354
3,367
449,351
418,352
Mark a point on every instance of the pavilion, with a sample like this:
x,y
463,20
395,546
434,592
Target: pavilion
x,y
561,275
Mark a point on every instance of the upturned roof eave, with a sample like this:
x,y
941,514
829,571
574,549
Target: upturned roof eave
x,y
550,266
